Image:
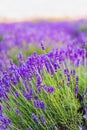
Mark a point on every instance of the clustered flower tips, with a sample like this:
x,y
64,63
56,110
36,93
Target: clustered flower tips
x,y
49,89
45,90
39,104
42,45
35,118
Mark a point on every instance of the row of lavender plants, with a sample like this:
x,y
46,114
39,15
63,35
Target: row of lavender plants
x,y
43,76
16,37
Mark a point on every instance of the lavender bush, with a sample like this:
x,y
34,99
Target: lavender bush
x,y
44,88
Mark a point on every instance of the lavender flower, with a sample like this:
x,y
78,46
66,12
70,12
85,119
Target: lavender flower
x,y
85,115
49,89
42,105
37,104
42,45
1,110
76,90
35,118
30,128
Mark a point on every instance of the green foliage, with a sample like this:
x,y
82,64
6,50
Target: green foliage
x,y
1,38
28,51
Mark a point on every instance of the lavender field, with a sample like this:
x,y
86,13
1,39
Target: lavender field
x,y
43,75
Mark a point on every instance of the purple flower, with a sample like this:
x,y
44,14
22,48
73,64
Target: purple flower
x,y
17,111
35,118
86,90
85,115
76,90
74,72
83,127
66,71
1,110
27,96
68,78
82,96
6,121
39,105
42,105
77,78
36,104
20,57
54,128
30,128
7,106
17,94
49,89
43,119
36,97
19,127
38,81
42,45
3,127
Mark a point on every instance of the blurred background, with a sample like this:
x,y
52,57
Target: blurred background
x,y
34,9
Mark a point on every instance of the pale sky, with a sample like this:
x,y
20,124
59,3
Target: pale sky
x,y
42,8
